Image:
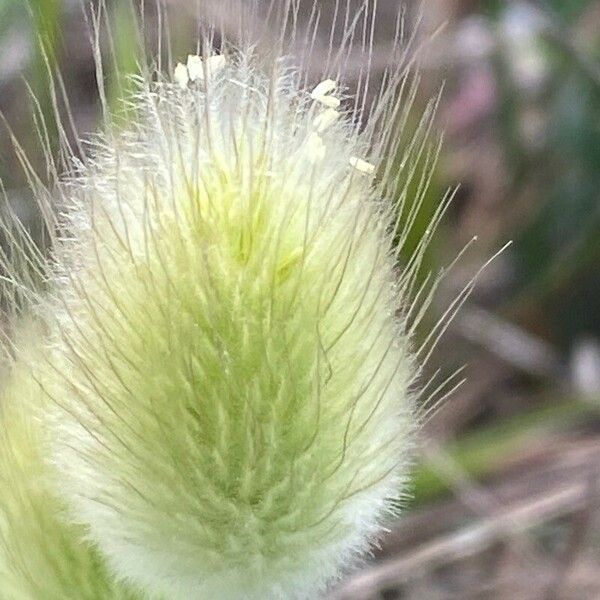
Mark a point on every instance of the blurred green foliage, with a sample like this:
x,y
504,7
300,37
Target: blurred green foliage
x,y
478,453
126,54
557,251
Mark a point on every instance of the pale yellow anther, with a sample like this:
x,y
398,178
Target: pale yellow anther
x,y
362,165
326,119
198,68
316,147
181,76
330,101
215,63
322,93
324,88
194,67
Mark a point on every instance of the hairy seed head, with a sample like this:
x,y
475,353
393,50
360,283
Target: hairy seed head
x,y
231,413
218,402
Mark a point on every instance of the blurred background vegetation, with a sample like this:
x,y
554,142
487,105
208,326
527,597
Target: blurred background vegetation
x,y
506,501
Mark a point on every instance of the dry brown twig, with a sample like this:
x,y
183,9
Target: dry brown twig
x,y
468,541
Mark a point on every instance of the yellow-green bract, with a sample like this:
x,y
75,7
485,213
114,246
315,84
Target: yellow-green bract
x,y
224,400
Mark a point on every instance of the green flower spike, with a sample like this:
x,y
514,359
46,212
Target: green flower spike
x,y
235,416
223,409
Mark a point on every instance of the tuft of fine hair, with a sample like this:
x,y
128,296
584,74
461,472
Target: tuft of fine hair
x,y
222,401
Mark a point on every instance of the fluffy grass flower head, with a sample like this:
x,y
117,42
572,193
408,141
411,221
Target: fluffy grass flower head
x,y
238,410
227,387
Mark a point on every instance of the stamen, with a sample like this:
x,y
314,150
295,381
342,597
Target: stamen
x,y
323,88
329,101
198,68
362,165
194,67
181,76
322,92
325,119
215,63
